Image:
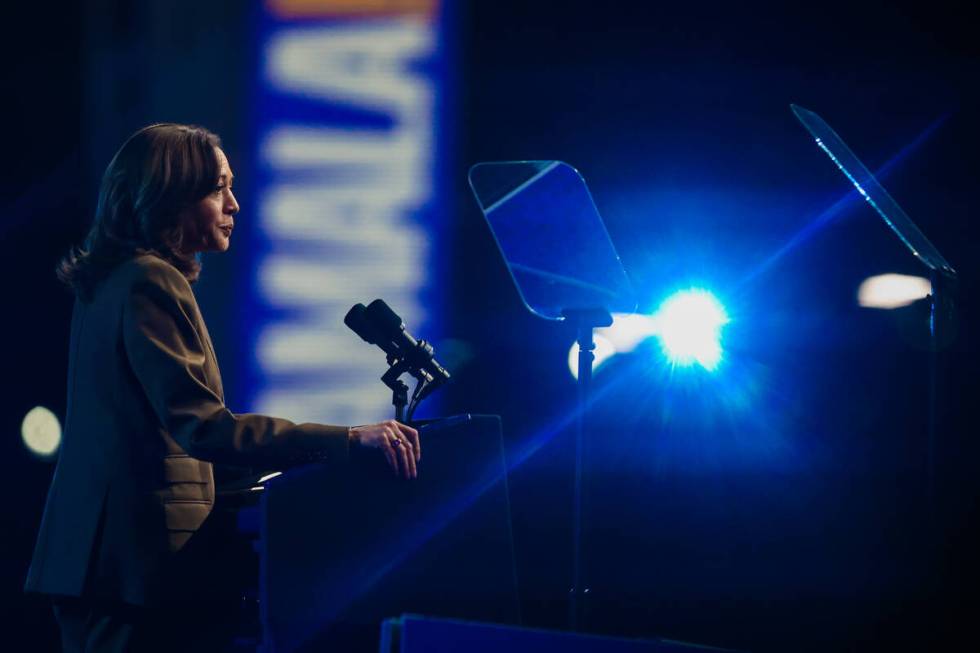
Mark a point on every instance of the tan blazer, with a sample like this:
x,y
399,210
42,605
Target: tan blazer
x,y
146,418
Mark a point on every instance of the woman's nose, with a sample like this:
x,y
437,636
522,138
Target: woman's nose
x,y
231,204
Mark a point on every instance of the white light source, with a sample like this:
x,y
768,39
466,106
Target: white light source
x,y
689,324
41,432
892,290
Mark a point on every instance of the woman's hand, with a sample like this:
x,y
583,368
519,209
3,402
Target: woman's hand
x,y
399,443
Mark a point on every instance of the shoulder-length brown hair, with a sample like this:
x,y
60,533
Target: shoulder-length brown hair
x,y
157,173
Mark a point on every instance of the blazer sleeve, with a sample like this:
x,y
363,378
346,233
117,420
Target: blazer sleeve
x,y
168,357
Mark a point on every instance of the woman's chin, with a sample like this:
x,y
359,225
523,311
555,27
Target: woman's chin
x,y
219,244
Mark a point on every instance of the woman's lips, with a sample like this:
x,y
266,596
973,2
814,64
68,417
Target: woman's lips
x,y
227,229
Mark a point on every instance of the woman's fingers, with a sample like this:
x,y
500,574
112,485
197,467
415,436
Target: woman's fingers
x,y
410,439
412,436
400,448
390,456
399,442
406,456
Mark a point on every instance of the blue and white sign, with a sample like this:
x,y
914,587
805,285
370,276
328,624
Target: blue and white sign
x,y
346,204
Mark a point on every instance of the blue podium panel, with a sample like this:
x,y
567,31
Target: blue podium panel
x,y
415,634
340,552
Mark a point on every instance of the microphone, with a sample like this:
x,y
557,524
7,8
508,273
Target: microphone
x,y
388,326
357,322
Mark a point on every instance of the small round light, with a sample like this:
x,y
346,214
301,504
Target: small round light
x,y
41,432
888,291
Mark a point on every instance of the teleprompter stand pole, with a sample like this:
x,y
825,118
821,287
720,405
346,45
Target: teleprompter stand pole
x,y
942,318
584,321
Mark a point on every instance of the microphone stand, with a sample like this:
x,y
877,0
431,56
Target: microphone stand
x,y
399,391
378,325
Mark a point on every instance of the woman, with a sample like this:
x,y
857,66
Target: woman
x,y
146,416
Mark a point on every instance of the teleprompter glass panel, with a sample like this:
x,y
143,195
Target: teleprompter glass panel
x,y
552,238
872,191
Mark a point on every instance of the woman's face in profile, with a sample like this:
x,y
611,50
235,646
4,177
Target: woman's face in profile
x,y
210,221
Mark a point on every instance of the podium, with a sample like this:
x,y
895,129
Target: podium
x,y
341,551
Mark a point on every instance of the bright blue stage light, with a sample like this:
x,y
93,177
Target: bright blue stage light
x,y
689,324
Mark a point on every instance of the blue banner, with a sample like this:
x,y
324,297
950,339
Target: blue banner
x,y
345,199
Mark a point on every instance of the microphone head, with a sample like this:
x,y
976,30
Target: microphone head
x,y
383,318
359,324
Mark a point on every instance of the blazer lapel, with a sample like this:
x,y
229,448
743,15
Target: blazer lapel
x,y
212,370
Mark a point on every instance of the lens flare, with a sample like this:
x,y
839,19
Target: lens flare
x,y
689,326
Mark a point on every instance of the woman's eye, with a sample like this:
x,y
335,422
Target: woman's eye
x,y
219,188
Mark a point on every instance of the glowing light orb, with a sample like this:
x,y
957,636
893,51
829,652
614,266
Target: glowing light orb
x,y
888,291
41,432
689,326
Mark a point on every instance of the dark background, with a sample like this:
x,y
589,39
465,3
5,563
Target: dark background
x,y
789,501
